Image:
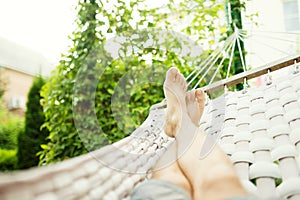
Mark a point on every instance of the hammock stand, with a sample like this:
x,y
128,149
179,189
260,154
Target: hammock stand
x,y
260,132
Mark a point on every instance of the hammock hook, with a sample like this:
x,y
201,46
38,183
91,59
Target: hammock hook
x,y
296,67
269,78
245,85
206,98
225,89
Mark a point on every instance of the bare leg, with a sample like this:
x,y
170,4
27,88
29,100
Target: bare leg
x,y
210,178
172,173
175,92
213,177
175,89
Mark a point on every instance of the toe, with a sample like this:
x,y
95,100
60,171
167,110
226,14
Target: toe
x,y
172,74
178,78
182,81
193,97
200,96
188,96
173,70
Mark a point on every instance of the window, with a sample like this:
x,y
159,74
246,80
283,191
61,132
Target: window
x,y
291,15
16,102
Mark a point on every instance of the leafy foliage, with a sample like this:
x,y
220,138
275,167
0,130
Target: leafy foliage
x,y
95,97
30,140
8,160
10,127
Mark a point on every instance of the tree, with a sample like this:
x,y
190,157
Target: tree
x,y
30,140
80,95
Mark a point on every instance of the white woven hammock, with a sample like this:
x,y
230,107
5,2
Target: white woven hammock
x,y
259,129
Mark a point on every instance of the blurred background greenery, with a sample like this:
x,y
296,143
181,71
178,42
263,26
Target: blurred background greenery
x,y
88,76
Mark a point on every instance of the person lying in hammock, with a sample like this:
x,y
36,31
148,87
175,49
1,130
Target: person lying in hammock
x,y
211,178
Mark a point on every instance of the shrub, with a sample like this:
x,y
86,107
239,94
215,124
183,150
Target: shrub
x,y
30,140
10,127
8,160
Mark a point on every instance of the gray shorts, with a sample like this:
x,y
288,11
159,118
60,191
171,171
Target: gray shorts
x,y
154,189
159,190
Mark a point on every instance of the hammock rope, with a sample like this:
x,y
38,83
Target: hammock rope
x,y
211,60
230,60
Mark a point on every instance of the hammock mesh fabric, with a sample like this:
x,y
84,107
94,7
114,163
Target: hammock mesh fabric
x,y
259,130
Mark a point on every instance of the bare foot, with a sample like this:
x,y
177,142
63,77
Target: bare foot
x,y
195,105
175,90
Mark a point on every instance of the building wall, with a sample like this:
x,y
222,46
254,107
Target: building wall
x,y
266,40
17,88
270,40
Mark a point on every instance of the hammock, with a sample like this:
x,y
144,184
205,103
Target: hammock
x,y
258,128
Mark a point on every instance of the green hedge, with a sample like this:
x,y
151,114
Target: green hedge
x,y
8,160
10,127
